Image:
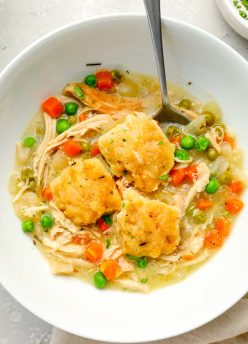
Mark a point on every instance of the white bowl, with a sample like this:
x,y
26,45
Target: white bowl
x,y
232,16
41,70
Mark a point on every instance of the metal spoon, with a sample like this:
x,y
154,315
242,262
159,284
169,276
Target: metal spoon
x,y
167,112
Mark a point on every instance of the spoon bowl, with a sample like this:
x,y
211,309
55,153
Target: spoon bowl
x,y
167,113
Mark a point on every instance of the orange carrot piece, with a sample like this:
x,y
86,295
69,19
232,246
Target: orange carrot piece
x,y
204,204
229,139
72,148
82,117
223,225
213,239
47,193
110,269
191,172
234,205
188,257
95,149
104,80
176,139
177,176
53,107
94,251
236,186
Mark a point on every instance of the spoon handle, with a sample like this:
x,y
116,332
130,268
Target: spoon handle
x,y
154,19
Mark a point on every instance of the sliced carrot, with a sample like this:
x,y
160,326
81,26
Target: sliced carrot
x,y
53,107
188,257
72,148
204,204
110,269
94,251
47,193
176,139
229,139
213,239
104,80
191,172
82,117
236,186
177,176
233,205
95,149
223,225
77,240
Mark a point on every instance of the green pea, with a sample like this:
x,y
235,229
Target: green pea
x,y
210,118
28,226
201,144
78,92
72,119
144,280
212,154
200,217
185,103
116,75
172,130
29,141
187,142
225,178
71,108
100,280
212,186
142,262
181,154
46,221
62,125
90,80
108,219
86,146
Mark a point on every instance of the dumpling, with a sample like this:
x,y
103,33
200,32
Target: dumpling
x,y
138,148
85,191
147,227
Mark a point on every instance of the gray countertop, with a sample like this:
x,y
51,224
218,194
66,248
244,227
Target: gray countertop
x,y
22,22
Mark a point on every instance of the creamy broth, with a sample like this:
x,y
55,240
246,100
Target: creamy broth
x,y
209,155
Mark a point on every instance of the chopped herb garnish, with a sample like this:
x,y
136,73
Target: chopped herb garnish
x,y
144,280
123,204
124,140
108,243
108,219
111,141
164,177
78,92
160,143
243,14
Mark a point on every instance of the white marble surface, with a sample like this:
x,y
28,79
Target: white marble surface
x,y
23,21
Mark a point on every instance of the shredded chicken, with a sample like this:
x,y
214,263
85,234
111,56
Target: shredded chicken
x,y
62,220
42,158
31,211
125,265
113,252
18,196
103,102
200,183
213,141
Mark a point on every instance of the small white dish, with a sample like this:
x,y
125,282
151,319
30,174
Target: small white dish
x,y
232,16
215,71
